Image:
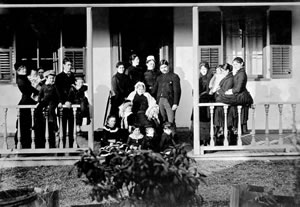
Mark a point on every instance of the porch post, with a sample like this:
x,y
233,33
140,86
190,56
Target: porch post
x,y
89,72
195,81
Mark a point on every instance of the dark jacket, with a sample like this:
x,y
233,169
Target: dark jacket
x,y
135,74
63,84
121,86
168,86
48,97
77,96
26,89
239,81
225,84
150,77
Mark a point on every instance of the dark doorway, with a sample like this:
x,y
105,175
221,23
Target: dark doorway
x,y
142,31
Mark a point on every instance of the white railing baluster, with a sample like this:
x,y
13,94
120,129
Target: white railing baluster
x,y
67,133
280,141
212,141
32,129
5,145
239,141
46,129
267,141
294,130
74,129
253,142
19,145
61,144
225,126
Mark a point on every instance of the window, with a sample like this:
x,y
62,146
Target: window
x,y
280,43
6,65
78,58
210,38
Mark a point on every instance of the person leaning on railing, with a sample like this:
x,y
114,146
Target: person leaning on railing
x,y
27,91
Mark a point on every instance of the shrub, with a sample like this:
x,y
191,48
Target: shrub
x,y
142,176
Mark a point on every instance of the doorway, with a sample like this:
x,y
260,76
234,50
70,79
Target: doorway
x,y
142,31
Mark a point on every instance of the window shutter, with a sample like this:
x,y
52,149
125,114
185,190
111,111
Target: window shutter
x,y
78,58
281,66
210,54
5,64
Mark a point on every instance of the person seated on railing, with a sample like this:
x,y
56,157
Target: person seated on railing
x,y
238,94
111,133
77,96
27,91
214,83
225,84
48,101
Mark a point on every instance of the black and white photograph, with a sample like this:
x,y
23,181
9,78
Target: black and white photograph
x,y
149,103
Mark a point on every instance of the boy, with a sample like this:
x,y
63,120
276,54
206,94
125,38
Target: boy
x,y
77,96
166,137
48,101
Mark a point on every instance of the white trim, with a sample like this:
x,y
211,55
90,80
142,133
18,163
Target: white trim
x,y
152,5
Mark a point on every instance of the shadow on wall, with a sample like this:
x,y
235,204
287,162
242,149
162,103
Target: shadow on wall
x,y
100,99
183,114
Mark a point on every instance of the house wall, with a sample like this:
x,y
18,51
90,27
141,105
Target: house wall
x,y
265,90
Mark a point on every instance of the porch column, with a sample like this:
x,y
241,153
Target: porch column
x,y
89,72
196,80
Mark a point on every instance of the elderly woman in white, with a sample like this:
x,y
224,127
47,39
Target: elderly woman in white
x,y
142,105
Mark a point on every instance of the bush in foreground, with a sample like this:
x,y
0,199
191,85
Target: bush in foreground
x,y
142,177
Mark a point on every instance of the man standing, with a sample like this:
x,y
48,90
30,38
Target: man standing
x,y
168,91
63,83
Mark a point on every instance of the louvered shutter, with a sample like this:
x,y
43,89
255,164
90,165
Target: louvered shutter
x,y
5,64
211,55
78,58
281,66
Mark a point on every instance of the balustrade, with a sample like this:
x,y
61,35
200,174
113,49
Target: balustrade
x,y
58,135
278,142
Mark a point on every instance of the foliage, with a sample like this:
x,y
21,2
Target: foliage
x,y
135,176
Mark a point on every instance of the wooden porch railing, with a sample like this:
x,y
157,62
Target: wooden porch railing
x,y
69,147
266,144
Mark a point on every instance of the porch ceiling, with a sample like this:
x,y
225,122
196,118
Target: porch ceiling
x,y
171,3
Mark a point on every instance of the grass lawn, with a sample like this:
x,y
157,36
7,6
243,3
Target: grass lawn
x,y
279,176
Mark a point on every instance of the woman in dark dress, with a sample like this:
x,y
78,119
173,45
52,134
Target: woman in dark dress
x,y
121,87
239,95
134,71
27,91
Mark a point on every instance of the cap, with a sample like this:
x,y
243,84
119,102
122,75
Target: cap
x,y
49,72
149,58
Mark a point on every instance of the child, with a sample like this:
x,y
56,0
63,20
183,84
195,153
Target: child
x,y
77,96
150,140
127,119
135,139
166,137
111,133
215,80
48,99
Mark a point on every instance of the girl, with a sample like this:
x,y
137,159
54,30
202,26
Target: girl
x,y
214,83
135,139
110,132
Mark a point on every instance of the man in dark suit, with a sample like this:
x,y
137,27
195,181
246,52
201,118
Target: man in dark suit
x,y
63,83
168,91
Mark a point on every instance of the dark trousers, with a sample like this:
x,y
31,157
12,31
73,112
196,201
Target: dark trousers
x,y
68,117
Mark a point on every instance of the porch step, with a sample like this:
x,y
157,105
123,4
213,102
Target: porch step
x,y
30,161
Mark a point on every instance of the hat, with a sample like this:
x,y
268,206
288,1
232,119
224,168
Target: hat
x,y
149,58
49,72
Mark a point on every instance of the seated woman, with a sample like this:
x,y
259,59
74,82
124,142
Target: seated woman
x,y
225,84
142,102
238,94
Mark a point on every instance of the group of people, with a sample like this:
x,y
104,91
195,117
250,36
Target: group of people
x,y
227,84
143,105
49,92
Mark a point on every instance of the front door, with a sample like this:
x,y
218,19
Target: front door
x,y
142,31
